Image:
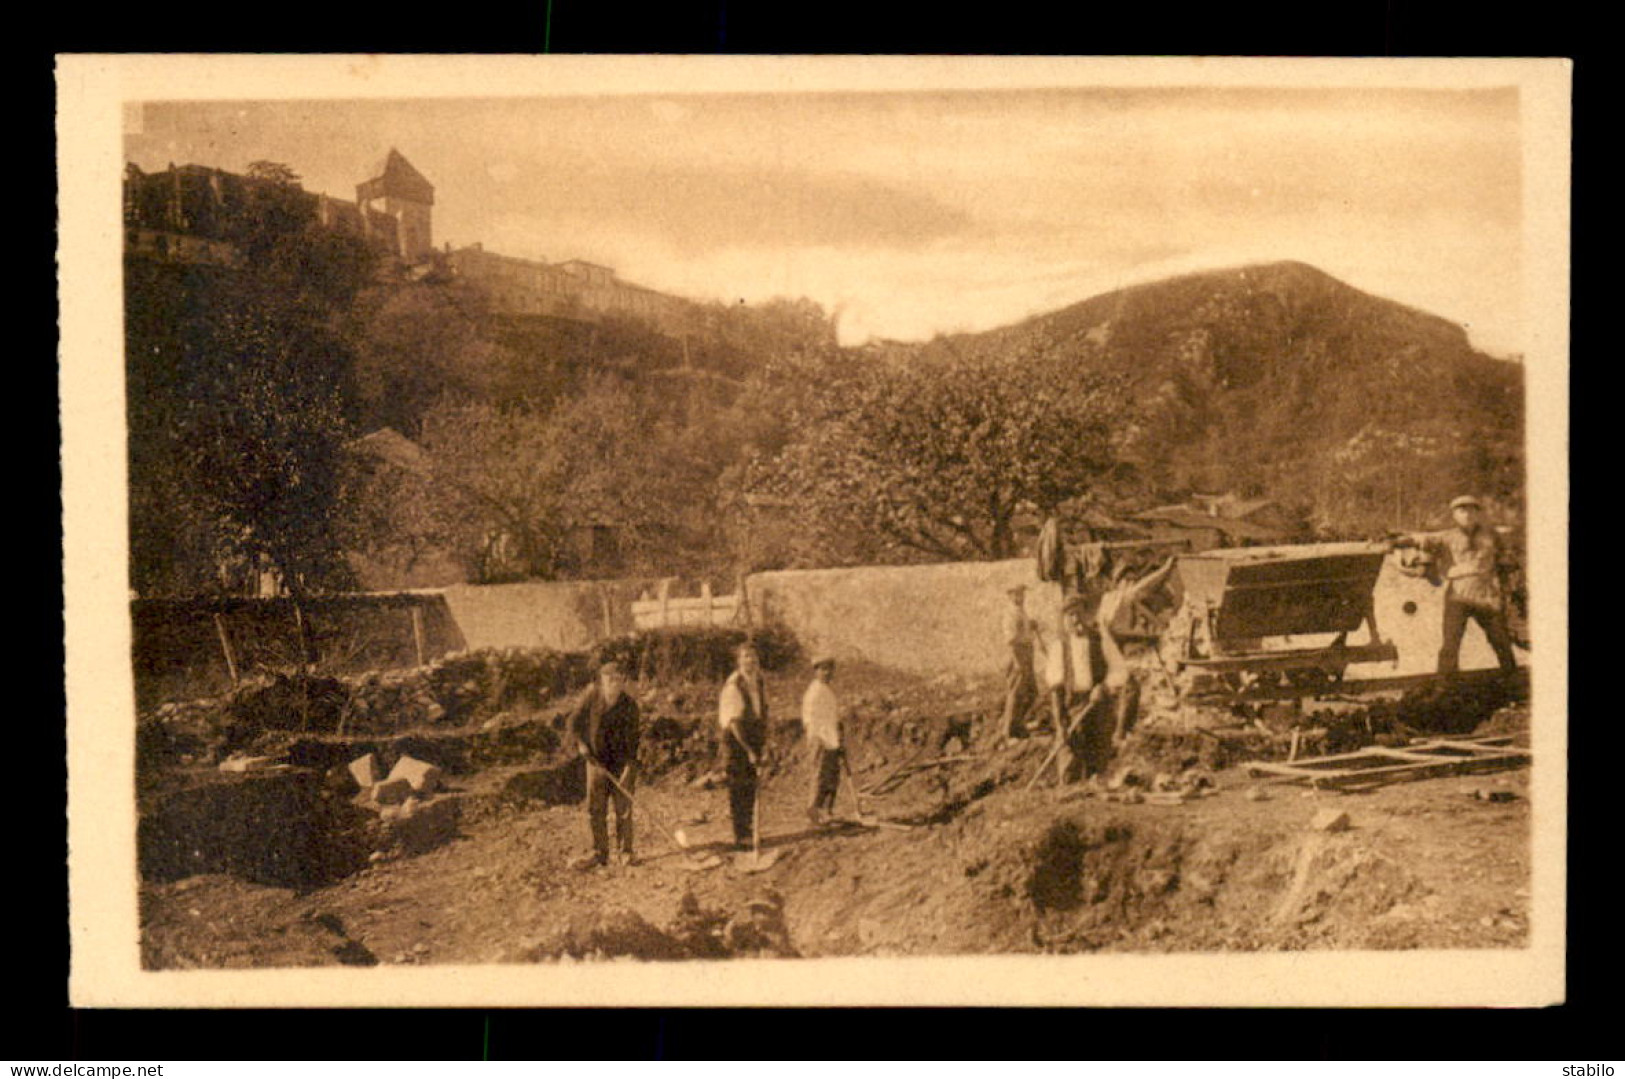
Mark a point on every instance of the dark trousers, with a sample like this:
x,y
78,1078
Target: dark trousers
x,y
742,801
826,777
1490,619
600,792
1020,689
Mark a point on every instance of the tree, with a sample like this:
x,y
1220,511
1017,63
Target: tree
x,y
936,459
513,482
239,397
499,477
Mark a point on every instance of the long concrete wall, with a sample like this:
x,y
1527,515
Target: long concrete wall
x,y
946,618
928,620
568,616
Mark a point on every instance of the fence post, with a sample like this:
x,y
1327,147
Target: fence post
x,y
225,646
705,595
417,635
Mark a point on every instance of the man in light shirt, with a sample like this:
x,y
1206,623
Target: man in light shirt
x,y
1469,556
742,714
821,720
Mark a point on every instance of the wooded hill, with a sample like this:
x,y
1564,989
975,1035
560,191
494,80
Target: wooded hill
x,y
246,386
1279,380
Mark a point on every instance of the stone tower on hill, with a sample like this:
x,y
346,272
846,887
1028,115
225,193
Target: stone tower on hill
x,y
399,190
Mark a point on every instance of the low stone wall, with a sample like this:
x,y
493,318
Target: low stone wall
x,y
178,654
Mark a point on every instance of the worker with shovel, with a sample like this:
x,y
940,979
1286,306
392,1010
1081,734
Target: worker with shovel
x,y
606,729
742,713
821,721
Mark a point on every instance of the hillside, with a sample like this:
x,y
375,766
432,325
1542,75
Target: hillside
x,y
1279,379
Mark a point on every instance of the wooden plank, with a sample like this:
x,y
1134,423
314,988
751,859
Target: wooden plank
x,y
1497,746
1354,777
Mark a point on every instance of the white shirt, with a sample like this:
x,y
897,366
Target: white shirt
x,y
820,715
731,705
1054,663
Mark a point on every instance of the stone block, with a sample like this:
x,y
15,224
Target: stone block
x,y
423,777
366,770
1330,820
391,792
429,824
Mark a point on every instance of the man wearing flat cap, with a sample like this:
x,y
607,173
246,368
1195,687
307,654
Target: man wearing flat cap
x,y
605,727
821,721
1020,687
1469,558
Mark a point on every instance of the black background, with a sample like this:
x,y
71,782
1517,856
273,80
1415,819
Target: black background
x,y
38,1024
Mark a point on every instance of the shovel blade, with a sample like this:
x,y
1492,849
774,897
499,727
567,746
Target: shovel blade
x,y
753,862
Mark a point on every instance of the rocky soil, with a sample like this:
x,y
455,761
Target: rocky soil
x,y
280,868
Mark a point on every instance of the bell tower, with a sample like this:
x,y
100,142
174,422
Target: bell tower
x,y
400,191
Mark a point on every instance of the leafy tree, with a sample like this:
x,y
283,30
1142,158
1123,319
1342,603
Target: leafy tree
x,y
936,459
239,398
498,476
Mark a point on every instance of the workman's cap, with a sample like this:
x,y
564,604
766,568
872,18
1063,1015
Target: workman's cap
x,y
611,667
823,660
1466,500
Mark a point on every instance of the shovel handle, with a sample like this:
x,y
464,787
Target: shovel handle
x,y
658,823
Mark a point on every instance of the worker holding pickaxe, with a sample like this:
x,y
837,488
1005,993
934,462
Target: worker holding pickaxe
x,y
606,729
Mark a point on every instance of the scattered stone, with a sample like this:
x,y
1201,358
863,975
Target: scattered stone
x,y
1124,777
1279,715
247,764
390,792
1484,794
366,771
1257,794
429,824
1330,820
1196,779
424,777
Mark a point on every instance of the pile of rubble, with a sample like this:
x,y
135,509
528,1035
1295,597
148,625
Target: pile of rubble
x,y
411,814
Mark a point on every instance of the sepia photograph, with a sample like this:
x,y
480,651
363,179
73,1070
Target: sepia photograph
x,y
849,531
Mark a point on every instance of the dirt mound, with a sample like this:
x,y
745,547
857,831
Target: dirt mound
x,y
1014,872
296,702
756,930
1455,706
284,828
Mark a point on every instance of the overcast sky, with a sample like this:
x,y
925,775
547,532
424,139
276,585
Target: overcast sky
x,y
911,214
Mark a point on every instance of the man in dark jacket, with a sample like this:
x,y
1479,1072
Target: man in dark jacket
x,y
742,714
605,727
